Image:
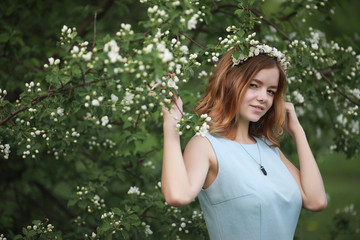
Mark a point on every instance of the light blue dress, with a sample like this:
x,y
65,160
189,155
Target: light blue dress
x,y
243,203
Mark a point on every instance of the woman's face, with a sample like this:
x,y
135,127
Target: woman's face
x,y
260,94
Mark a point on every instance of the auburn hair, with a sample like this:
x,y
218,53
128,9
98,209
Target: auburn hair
x,y
224,93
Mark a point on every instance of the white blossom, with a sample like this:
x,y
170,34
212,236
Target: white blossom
x,y
148,230
298,97
126,26
95,102
166,56
356,93
114,98
60,111
148,48
184,49
341,119
134,190
104,120
192,22
314,46
51,60
87,56
128,98
64,28
171,83
75,49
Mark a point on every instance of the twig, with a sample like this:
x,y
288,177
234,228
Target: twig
x,y
47,95
82,73
48,193
257,13
137,122
318,88
35,69
174,100
337,89
93,45
287,17
105,6
71,89
23,108
271,23
203,48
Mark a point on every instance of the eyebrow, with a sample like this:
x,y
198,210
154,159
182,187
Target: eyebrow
x,y
260,82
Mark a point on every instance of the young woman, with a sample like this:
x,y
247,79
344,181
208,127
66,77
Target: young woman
x,y
246,186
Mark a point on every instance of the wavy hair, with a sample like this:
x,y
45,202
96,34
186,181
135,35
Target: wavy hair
x,y
224,93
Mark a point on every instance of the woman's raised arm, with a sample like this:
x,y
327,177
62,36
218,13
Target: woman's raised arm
x,y
182,176
308,178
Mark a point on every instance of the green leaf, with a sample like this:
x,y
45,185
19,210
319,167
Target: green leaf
x,y
105,227
239,12
109,236
236,54
4,37
72,202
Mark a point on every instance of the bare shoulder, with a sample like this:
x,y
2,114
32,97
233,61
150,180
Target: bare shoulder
x,y
200,143
200,146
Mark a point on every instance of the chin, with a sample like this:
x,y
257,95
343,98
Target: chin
x,y
254,119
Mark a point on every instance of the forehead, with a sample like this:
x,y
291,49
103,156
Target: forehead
x,y
268,76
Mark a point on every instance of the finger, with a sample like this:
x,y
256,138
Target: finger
x,y
156,85
179,102
153,93
174,97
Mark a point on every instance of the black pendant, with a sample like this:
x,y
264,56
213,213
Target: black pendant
x,y
263,170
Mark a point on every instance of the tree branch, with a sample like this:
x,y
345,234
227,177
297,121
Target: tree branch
x,y
35,69
104,6
62,206
287,17
93,45
49,94
337,89
271,23
203,48
256,13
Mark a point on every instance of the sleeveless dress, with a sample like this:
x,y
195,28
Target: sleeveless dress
x,y
243,203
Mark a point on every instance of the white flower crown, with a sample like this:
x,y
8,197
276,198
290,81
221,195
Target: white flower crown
x,y
256,49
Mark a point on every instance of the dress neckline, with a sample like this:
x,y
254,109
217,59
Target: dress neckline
x,y
244,144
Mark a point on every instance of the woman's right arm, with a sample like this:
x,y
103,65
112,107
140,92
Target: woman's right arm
x,y
182,176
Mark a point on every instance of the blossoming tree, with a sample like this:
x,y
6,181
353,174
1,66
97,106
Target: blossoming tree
x,y
81,141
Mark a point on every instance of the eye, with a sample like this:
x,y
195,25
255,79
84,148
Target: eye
x,y
271,92
252,85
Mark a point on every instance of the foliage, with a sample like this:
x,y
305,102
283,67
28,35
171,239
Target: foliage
x,y
80,133
346,222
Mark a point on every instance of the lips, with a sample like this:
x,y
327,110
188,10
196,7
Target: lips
x,y
258,108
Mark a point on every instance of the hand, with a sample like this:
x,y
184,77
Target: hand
x,y
292,124
173,115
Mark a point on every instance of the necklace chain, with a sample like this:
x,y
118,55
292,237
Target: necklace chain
x,y
260,164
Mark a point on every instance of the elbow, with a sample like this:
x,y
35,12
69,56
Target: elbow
x,y
176,200
317,206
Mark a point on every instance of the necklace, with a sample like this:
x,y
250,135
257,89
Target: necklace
x,y
260,164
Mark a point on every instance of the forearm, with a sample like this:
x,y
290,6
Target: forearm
x,y
310,177
174,177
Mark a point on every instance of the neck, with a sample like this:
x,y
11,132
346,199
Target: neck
x,y
242,133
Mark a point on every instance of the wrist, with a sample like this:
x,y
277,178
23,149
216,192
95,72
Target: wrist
x,y
298,132
170,124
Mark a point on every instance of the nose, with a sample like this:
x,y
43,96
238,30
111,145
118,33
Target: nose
x,y
262,95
